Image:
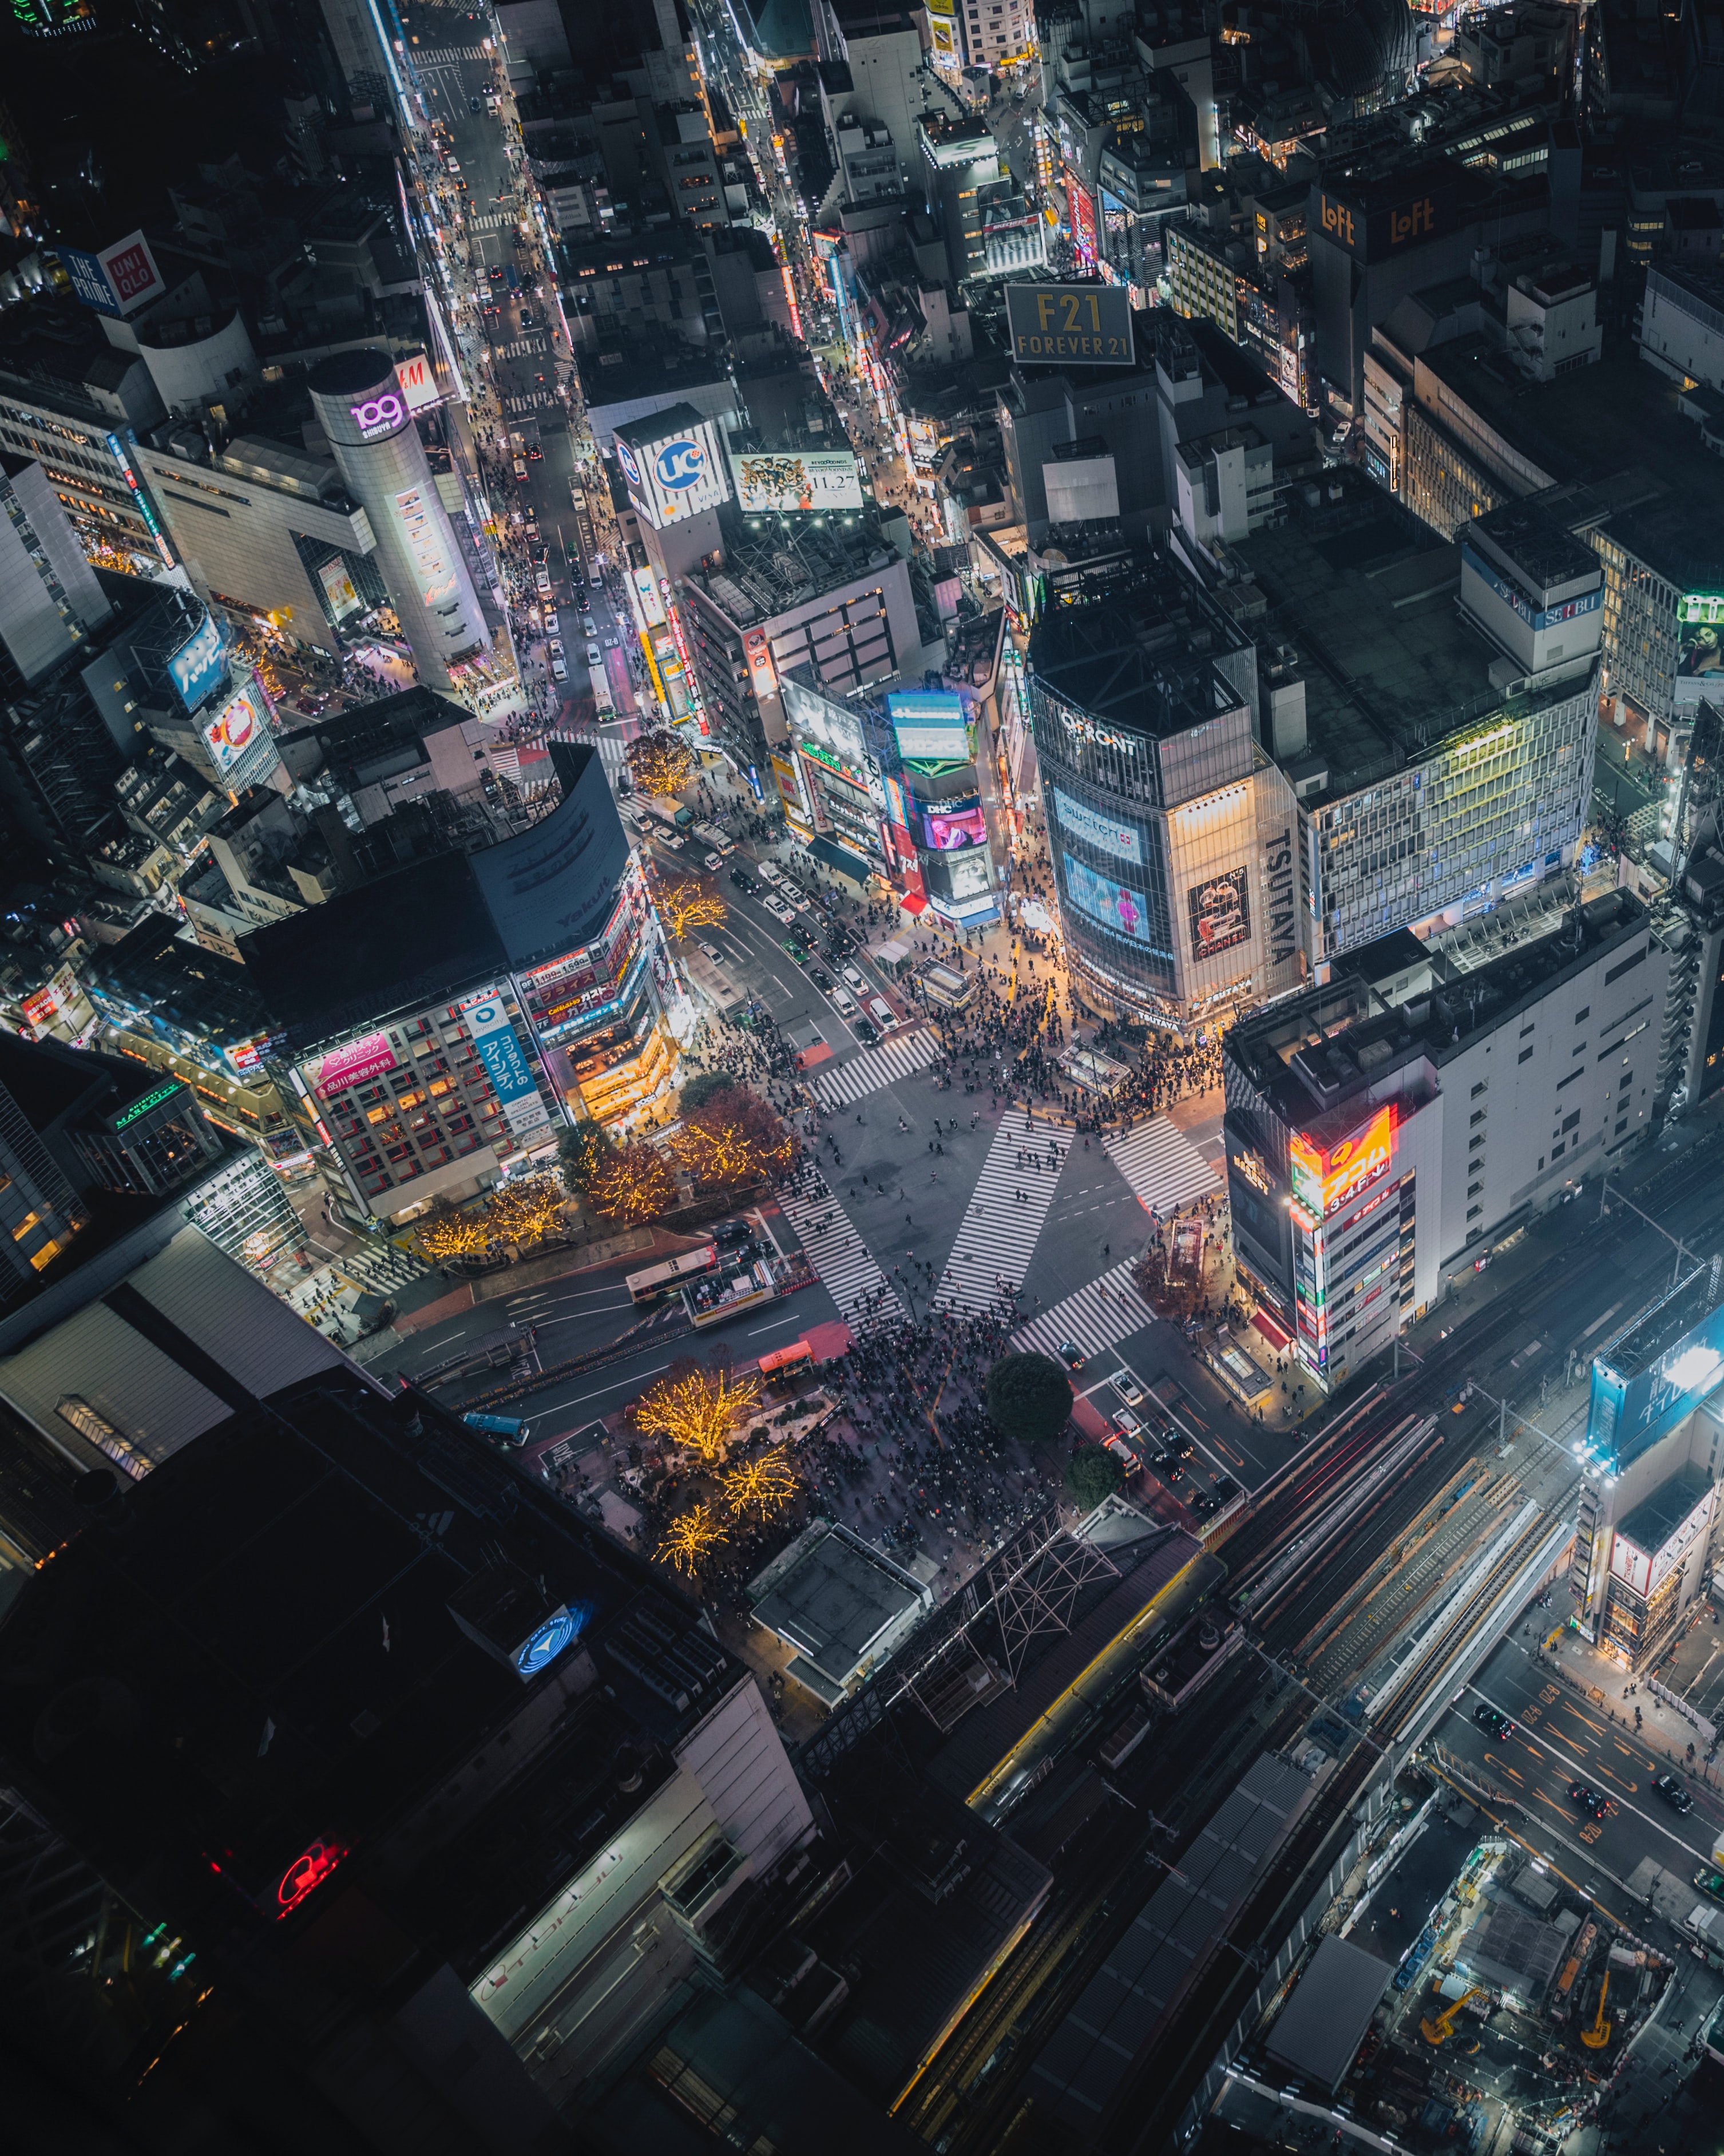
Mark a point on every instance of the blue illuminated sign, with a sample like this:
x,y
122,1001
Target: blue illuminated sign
x,y
200,667
681,464
552,1636
1629,1414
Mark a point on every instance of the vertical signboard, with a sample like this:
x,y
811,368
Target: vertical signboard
x,y
505,1065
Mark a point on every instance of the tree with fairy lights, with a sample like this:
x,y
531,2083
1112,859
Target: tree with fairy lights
x,y
692,1537
659,762
762,1486
694,1408
731,1139
632,1183
685,906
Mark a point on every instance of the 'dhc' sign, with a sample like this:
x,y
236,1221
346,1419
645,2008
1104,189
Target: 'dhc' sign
x,y
1422,207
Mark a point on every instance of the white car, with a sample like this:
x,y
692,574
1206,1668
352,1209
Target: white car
x,y
780,911
770,872
554,647
595,657
793,896
842,1000
588,626
559,672
1126,1385
881,1011
713,861
552,623
713,953
854,979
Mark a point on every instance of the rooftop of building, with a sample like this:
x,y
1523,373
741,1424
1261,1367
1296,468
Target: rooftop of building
x,y
1616,429
61,345
301,1624
1365,599
449,924
350,741
623,372
54,1084
772,563
833,1602
1398,1001
1656,1518
1538,542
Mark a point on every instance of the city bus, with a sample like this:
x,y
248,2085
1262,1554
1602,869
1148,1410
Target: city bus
x,y
716,1301
782,1359
657,1280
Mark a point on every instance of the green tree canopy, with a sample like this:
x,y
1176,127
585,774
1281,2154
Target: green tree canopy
x,y
1029,1398
1091,1474
581,1153
706,1087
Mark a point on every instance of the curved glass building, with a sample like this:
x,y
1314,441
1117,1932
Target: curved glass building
x,y
378,451
1172,838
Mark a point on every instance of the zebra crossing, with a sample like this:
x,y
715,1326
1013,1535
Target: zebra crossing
x,y
901,1056
866,1299
1099,1315
1163,1168
380,1266
493,222
524,347
542,402
1000,1231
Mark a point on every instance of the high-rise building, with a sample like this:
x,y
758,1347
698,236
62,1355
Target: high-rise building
x,y
49,599
369,426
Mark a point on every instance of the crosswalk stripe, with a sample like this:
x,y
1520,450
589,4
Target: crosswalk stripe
x,y
901,1056
1000,1231
1098,1316
866,1299
1164,1168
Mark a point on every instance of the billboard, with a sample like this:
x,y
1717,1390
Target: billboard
x,y
232,732
1070,325
200,665
368,1057
418,385
417,512
948,826
338,589
673,476
896,804
1324,1181
1629,1414
1107,834
1081,205
505,1065
928,725
1115,905
1699,647
797,478
118,280
1221,909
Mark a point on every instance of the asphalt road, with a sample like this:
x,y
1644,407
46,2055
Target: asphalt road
x,y
1561,1736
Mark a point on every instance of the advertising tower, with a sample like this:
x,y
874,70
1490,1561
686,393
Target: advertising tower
x,y
361,410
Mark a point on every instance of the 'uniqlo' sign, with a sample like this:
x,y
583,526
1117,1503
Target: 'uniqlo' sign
x,y
132,271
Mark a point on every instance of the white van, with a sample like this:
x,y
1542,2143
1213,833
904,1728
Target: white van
x,y
770,872
881,1011
842,1000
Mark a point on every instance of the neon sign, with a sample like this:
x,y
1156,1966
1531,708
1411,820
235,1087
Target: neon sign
x,y
306,1874
378,415
1324,1182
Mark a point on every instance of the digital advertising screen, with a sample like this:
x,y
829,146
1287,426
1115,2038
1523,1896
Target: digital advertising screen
x,y
1699,647
200,667
1115,905
232,732
1630,1412
792,479
1221,909
673,471
929,725
949,826
1323,1182
1105,833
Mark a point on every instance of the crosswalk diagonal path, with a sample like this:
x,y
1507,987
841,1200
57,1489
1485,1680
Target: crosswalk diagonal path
x,y
1000,1230
866,1299
1102,1314
901,1056
1164,1168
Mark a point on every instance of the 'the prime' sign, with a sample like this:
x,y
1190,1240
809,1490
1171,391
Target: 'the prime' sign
x,y
1069,324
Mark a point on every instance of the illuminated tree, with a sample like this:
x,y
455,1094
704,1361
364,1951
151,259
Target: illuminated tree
x,y
692,1537
763,1487
684,905
659,762
734,1138
525,1210
696,1409
580,1153
446,1234
632,1183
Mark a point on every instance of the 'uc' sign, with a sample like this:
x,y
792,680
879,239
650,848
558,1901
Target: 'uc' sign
x,y
681,465
378,414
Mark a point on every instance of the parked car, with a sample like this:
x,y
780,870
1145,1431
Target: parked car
x,y
1676,1793
712,952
